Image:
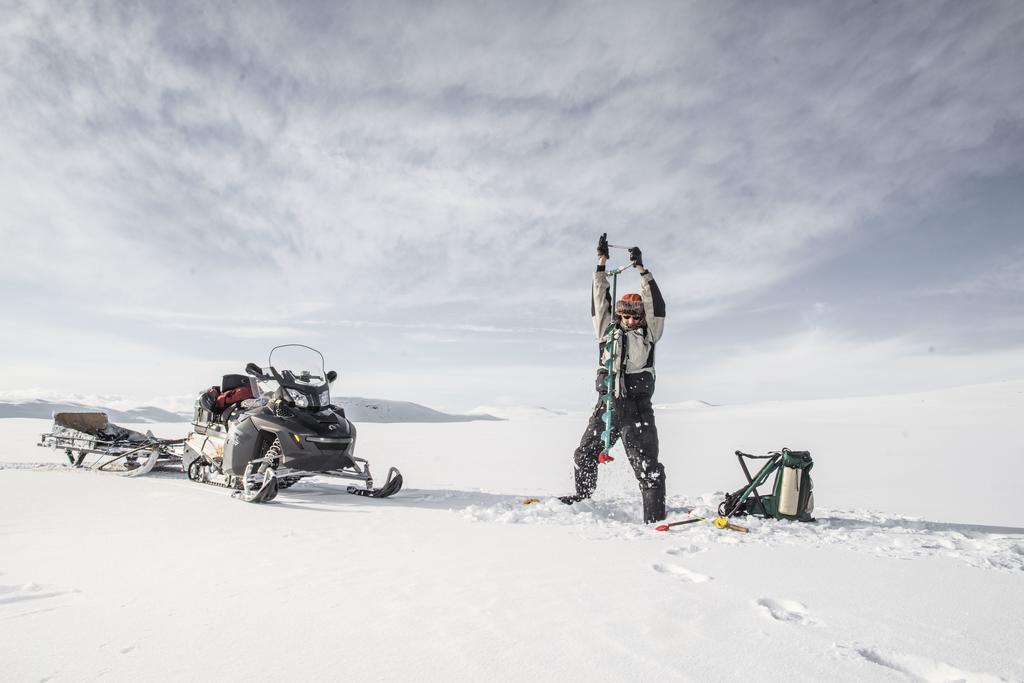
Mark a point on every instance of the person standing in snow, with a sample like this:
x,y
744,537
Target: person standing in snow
x,y
639,323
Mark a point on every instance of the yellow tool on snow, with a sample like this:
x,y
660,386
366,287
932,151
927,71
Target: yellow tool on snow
x,y
724,523
719,522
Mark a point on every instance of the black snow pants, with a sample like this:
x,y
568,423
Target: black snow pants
x,y
633,422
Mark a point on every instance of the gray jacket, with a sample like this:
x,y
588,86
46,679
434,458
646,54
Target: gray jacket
x,y
638,344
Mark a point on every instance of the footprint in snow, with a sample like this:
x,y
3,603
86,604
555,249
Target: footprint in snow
x,y
786,610
685,550
29,591
681,572
916,667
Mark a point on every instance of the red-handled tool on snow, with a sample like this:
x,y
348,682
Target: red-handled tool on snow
x,y
718,522
666,527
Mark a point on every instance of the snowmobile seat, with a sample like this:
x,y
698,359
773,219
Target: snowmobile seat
x,y
233,382
233,389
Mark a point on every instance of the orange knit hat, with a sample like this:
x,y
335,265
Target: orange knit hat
x,y
630,304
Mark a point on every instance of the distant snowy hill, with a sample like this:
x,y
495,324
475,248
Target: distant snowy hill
x,y
357,409
46,409
360,409
515,412
686,405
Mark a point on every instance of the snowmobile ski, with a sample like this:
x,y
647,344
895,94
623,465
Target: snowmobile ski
x,y
393,486
264,494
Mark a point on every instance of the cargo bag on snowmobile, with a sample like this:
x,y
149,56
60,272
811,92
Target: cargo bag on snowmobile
x,y
792,495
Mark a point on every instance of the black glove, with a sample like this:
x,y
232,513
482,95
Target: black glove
x,y
602,245
635,257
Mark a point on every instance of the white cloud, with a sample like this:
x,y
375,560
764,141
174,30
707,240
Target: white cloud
x,y
425,139
1002,275
249,172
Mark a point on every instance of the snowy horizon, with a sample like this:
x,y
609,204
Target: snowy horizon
x,y
828,195
912,571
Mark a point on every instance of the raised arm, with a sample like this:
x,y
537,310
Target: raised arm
x,y
654,303
600,301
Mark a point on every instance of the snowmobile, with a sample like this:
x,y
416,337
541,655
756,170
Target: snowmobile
x,y
118,450
259,443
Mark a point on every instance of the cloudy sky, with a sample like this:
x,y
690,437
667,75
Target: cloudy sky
x,y
830,195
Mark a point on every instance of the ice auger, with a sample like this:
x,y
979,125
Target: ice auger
x,y
613,333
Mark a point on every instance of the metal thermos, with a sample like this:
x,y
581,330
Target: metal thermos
x,y
789,496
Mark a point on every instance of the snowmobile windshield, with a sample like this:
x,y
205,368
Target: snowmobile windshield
x,y
300,371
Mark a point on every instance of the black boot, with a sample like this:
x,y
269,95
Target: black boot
x,y
585,480
654,504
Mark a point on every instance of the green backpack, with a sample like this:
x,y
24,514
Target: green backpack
x,y
792,495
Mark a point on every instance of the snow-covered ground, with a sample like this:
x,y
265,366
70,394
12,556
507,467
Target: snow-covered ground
x,y
914,571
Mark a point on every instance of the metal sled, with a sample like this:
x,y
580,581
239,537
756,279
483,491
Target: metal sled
x,y
117,450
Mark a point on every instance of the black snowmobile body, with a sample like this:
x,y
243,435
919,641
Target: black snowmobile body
x,y
260,445
311,442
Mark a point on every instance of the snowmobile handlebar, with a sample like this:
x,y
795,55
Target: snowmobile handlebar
x,y
256,371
